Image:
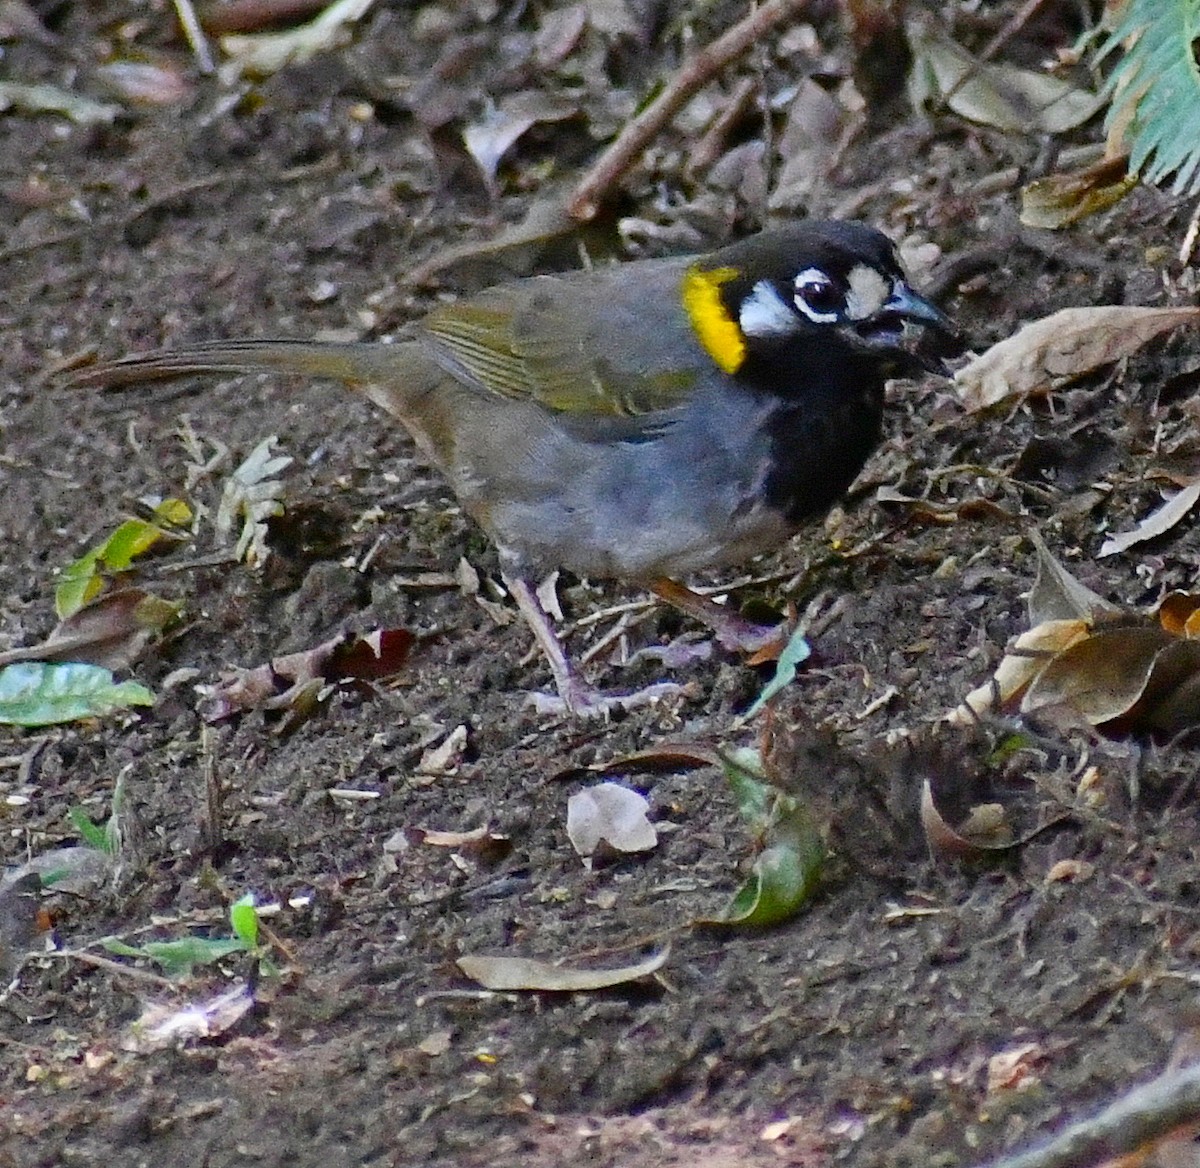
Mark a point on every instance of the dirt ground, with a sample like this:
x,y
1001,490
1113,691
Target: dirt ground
x,y
875,1027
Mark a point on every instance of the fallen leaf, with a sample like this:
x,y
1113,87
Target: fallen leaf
x,y
611,814
947,842
1057,595
1012,1069
83,579
1058,200
49,99
35,693
999,95
794,654
1063,346
1032,651
1102,676
525,973
786,870
110,632
1157,523
1179,614
447,756
261,54
497,131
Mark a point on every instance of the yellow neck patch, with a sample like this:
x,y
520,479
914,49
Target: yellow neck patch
x,y
717,331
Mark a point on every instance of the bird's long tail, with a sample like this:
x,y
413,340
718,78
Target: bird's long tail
x,y
391,375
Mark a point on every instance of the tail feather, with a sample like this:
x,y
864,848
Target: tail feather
x,y
353,363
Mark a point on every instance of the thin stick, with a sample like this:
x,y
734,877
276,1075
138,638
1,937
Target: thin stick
x,y
693,75
1137,1121
195,35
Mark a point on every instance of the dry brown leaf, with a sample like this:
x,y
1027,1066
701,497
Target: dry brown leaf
x,y
1060,347
1179,614
1102,677
292,682
1032,651
968,843
1058,595
1058,200
992,94
111,631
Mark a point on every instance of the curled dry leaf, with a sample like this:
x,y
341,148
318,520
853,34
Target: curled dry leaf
x,y
163,1026
610,814
1157,523
985,832
524,973
1029,655
1179,614
1058,595
496,132
261,54
1060,347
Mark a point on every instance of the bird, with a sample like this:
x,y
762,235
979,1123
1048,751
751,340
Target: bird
x,y
639,421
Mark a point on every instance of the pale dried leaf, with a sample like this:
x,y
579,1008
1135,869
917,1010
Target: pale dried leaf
x,y
494,134
1065,345
261,54
167,1026
49,99
1032,651
1157,523
111,631
999,95
610,813
816,124
525,973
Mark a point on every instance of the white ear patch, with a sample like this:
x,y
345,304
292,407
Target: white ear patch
x,y
869,292
764,314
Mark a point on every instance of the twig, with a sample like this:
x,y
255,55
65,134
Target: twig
x,y
1165,1106
695,73
195,36
130,971
1011,27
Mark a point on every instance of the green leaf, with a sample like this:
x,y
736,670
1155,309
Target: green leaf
x,y
794,654
82,580
178,957
34,693
1155,90
748,781
91,833
789,867
244,919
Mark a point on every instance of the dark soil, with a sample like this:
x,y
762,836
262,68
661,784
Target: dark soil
x,y
872,1021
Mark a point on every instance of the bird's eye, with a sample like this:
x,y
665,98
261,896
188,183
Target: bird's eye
x,y
817,296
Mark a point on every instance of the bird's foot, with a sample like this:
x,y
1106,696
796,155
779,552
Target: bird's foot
x,y
581,700
730,629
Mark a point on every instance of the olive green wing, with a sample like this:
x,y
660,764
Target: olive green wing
x,y
610,342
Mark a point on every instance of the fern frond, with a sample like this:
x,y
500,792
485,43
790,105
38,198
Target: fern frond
x,y
1155,89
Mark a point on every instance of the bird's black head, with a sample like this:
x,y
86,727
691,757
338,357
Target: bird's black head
x,y
816,293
